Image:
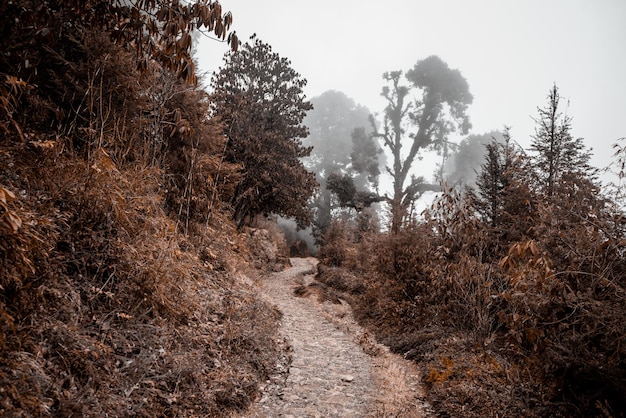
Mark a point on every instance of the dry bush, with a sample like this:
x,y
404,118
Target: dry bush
x,y
199,179
321,292
465,379
334,244
570,323
276,233
106,309
438,314
340,279
538,328
267,247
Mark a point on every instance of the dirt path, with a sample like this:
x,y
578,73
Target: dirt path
x,y
335,370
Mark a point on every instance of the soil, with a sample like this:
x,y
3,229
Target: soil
x,y
330,366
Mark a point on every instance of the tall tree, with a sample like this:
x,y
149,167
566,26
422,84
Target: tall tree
x,y
259,98
365,155
557,153
419,122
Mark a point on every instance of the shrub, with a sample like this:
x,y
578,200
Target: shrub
x,y
335,243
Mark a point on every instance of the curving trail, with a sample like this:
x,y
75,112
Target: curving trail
x,y
330,374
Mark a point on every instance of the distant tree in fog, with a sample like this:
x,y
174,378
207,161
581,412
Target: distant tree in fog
x,y
419,115
259,98
467,158
366,155
338,128
331,121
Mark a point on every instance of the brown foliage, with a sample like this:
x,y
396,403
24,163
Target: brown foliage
x,y
105,308
155,30
536,325
333,250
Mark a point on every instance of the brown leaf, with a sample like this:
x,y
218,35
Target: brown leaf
x,y
12,221
6,195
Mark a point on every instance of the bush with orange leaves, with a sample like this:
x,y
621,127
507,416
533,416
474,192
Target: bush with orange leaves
x,y
548,312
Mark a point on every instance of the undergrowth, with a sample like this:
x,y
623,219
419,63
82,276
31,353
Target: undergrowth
x,y
531,328
107,308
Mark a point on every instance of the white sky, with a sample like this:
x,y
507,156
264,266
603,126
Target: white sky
x,y
510,52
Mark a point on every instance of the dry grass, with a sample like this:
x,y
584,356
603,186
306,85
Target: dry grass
x,y
398,381
106,309
536,332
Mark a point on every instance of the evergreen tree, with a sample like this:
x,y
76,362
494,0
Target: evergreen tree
x,y
503,196
490,183
557,154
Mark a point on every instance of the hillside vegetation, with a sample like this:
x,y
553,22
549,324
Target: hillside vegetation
x,y
121,286
510,295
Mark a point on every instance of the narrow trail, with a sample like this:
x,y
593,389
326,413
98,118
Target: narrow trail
x,y
335,369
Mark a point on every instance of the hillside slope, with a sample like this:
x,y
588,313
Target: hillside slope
x,y
107,308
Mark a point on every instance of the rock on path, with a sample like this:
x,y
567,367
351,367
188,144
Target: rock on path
x,y
330,375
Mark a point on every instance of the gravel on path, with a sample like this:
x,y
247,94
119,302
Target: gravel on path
x,y
328,371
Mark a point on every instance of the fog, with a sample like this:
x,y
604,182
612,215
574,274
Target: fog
x,y
293,234
511,53
467,157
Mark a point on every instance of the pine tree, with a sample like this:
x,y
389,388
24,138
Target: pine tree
x,y
503,196
557,153
490,183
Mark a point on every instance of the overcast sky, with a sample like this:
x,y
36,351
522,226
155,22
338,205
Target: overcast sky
x,y
510,52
